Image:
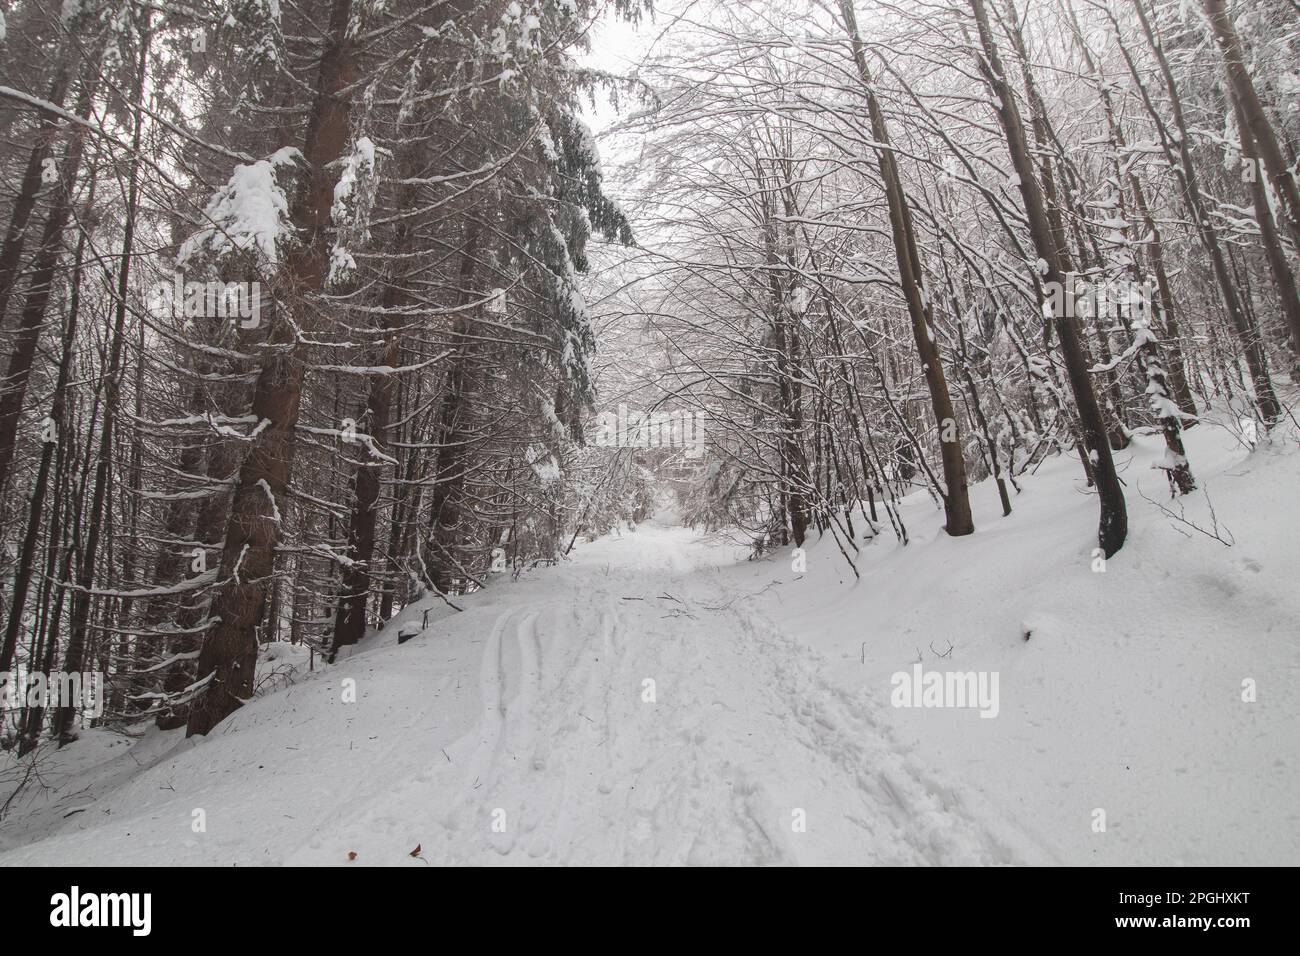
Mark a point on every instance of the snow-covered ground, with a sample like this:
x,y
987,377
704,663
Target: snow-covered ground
x,y
524,730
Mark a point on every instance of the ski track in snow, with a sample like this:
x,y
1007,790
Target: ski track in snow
x,y
558,750
741,735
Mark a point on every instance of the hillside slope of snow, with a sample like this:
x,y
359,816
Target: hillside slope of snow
x,y
527,729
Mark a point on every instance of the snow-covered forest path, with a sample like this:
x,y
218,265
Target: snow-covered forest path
x,y
524,731
629,706
640,713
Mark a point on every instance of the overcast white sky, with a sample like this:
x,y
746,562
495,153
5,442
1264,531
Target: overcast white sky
x,y
618,47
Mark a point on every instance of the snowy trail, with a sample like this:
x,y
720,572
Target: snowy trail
x,y
523,731
569,762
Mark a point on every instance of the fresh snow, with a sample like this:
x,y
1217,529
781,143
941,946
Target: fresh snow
x,y
250,211
1120,690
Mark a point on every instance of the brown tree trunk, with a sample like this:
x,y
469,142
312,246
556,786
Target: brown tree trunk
x,y
75,655
13,388
453,432
1283,279
58,413
1113,527
1166,307
229,651
956,498
1256,119
357,578
20,216
1256,361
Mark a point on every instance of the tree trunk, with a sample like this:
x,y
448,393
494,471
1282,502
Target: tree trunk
x,y
74,657
1113,526
62,434
1283,279
956,498
1256,361
13,389
1256,119
453,432
354,593
229,651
